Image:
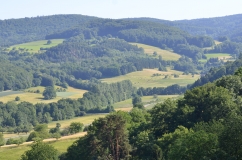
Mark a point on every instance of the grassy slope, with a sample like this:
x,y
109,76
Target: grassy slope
x,y
34,47
144,78
166,55
222,56
38,98
218,55
88,119
126,105
14,153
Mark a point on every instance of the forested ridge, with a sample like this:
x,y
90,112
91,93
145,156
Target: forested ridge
x,y
227,27
15,31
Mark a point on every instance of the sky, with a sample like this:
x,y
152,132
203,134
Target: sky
x,y
161,9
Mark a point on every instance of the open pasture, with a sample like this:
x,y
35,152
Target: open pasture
x,y
34,47
218,55
29,95
222,56
88,119
146,79
14,153
166,55
148,101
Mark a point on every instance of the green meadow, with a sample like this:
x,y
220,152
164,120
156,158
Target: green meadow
x,y
218,55
148,101
88,119
14,153
34,47
146,79
29,95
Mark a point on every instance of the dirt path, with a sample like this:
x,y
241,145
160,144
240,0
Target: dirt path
x,y
49,139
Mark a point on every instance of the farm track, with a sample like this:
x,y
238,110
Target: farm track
x,y
49,139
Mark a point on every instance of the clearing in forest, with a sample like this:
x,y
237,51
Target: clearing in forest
x,y
148,101
218,55
31,95
148,78
87,119
166,55
34,47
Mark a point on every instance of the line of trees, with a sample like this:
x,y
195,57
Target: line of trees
x,y
98,100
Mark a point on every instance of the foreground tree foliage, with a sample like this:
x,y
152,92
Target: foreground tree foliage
x,y
107,138
40,151
204,124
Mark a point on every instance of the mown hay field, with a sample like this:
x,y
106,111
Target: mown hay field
x,y
166,55
30,95
146,79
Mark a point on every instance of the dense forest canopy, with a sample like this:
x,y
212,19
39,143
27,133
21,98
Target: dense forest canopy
x,y
15,31
217,27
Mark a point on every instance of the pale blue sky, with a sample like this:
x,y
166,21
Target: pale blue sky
x,y
162,9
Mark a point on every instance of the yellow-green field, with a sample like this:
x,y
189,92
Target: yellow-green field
x,y
166,55
221,56
34,47
149,101
38,98
88,119
14,153
218,55
15,135
145,79
217,42
212,47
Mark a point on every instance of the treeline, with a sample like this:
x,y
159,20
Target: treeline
x,y
98,100
13,77
229,26
227,47
150,33
204,124
170,90
217,27
189,51
16,31
216,73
